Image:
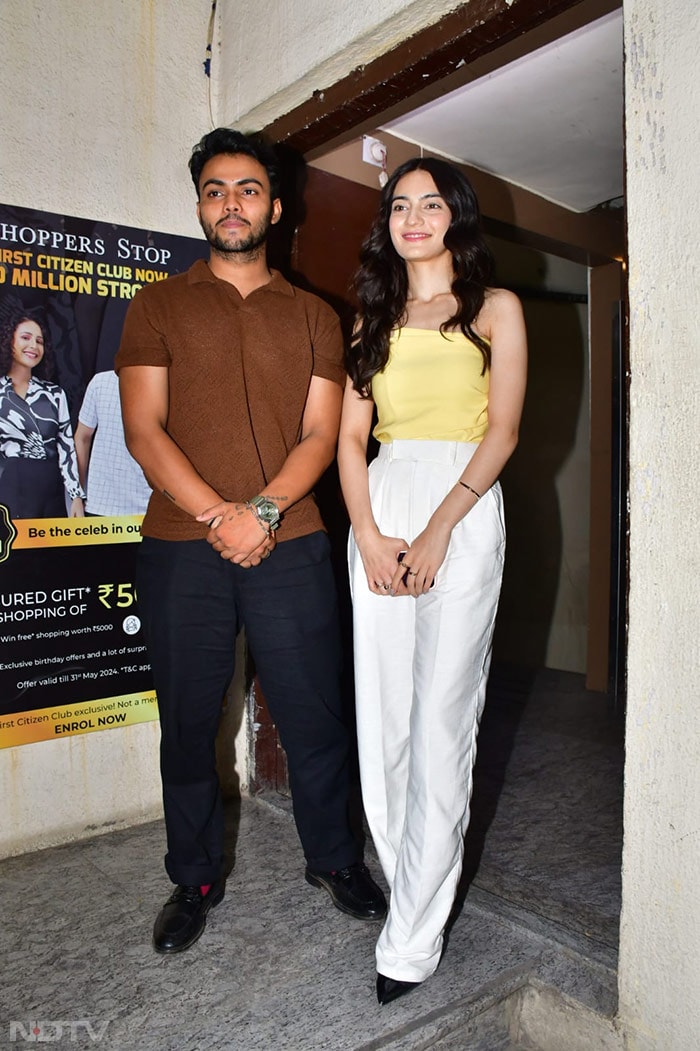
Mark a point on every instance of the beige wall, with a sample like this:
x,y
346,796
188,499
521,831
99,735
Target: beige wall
x,y
276,55
659,957
101,103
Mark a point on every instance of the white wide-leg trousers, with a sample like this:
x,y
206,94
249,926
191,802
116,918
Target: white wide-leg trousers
x,y
421,667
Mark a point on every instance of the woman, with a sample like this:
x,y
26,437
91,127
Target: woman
x,y
442,357
38,465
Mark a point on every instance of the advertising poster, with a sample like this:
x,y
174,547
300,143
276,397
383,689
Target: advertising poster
x,y
72,654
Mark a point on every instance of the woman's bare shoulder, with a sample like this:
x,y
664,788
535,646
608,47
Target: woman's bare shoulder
x,y
499,300
500,307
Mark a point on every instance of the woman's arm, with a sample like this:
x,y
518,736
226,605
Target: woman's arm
x,y
379,553
501,322
83,444
67,459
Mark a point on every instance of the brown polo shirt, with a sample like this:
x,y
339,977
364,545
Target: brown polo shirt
x,y
239,374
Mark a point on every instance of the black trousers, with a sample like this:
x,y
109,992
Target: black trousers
x,y
32,488
193,604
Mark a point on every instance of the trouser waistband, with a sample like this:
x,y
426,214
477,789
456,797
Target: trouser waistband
x,y
433,452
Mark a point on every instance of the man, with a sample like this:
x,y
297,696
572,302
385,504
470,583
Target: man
x,y
116,485
231,385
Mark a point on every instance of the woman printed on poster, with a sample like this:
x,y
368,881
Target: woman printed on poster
x,y
38,464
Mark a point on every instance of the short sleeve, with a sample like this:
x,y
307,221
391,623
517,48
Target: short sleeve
x,y
143,341
328,348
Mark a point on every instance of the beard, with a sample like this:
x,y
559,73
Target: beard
x,y
249,243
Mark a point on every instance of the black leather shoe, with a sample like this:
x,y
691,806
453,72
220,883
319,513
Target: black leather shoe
x,y
389,989
184,916
353,891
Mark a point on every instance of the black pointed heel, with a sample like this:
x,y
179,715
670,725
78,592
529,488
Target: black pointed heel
x,y
389,989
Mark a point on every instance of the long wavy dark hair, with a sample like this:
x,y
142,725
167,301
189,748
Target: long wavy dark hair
x,y
381,283
45,369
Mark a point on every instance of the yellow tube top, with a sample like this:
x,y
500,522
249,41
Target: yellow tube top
x,y
431,388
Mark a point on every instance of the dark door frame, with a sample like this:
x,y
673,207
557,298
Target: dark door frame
x,y
476,38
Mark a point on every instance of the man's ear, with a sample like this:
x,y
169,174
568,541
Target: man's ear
x,y
276,211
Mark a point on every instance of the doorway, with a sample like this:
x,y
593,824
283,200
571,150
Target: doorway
x,y
570,717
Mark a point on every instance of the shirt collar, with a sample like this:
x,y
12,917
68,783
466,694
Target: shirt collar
x,y
34,384
200,273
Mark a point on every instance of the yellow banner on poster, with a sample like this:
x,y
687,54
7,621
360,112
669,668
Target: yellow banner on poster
x,y
75,532
48,724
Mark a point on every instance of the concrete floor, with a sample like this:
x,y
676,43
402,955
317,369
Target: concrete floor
x,y
279,968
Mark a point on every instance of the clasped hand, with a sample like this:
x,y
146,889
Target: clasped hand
x,y
237,534
413,573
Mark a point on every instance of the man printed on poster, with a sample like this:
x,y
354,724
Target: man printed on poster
x,y
114,482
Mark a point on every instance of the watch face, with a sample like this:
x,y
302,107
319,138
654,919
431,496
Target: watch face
x,y
266,510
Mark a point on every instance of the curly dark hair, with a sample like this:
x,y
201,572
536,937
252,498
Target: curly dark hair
x,y
46,368
227,140
381,282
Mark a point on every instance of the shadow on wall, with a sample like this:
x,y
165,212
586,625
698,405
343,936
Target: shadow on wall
x,y
553,405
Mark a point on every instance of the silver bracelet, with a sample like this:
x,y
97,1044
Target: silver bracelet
x,y
267,530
